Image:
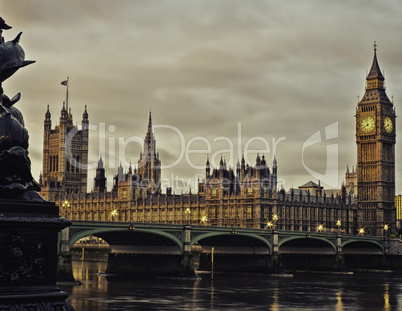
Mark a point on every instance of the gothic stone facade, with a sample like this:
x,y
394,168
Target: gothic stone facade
x,y
65,156
244,197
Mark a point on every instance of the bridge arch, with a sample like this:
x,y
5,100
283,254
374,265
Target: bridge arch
x,y
310,242
253,240
100,231
362,246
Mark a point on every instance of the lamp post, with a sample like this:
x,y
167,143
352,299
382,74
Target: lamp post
x,y
65,206
113,213
187,214
204,220
386,238
386,227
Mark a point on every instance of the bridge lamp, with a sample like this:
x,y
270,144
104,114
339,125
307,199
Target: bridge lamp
x,y
204,220
320,228
275,217
386,227
338,223
114,213
65,206
269,225
187,212
361,231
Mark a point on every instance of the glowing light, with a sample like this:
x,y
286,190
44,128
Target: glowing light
x,y
361,231
114,213
275,217
269,225
187,211
320,228
204,219
338,223
386,227
66,204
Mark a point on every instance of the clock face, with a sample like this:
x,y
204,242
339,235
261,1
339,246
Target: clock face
x,y
388,126
367,124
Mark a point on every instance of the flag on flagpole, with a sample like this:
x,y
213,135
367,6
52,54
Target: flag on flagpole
x,y
65,82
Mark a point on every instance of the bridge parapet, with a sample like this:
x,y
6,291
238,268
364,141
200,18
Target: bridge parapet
x,y
185,236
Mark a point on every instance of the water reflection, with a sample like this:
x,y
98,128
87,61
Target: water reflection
x,y
228,292
339,304
387,305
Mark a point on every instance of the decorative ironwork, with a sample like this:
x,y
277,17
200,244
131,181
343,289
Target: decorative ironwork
x,y
21,260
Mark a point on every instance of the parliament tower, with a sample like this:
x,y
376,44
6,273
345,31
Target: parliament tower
x,y
149,164
65,156
375,138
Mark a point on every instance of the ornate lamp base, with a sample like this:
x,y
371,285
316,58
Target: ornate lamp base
x,y
28,256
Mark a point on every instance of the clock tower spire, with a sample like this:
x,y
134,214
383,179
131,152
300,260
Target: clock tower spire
x,y
375,138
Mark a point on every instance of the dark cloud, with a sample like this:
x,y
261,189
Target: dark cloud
x,y
284,69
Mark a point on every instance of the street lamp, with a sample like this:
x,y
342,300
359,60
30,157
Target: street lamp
x,y
386,227
269,225
113,213
320,228
65,206
204,220
187,213
339,224
361,231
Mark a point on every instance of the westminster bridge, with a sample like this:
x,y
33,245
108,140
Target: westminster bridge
x,y
138,248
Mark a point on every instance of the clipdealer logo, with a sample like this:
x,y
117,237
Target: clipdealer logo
x,y
330,177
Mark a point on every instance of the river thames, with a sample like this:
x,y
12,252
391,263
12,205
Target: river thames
x,y
360,291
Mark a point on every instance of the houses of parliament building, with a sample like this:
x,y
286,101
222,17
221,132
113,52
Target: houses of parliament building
x,y
247,196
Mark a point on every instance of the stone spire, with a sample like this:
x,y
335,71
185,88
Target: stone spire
x,y
207,169
375,79
149,134
149,165
375,71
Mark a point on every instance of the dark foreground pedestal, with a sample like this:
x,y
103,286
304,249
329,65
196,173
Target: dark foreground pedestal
x,y
28,256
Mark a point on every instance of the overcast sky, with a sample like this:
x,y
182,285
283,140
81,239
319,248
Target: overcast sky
x,y
210,70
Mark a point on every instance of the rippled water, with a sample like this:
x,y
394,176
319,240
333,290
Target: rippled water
x,y
361,291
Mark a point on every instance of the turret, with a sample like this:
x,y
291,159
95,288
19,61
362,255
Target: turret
x,y
207,169
274,174
48,121
258,161
242,167
85,117
63,115
120,173
221,168
100,179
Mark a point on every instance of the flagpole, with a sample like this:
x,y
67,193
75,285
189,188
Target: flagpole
x,y
67,96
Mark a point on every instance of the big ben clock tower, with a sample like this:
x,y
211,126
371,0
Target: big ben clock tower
x,y
375,138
